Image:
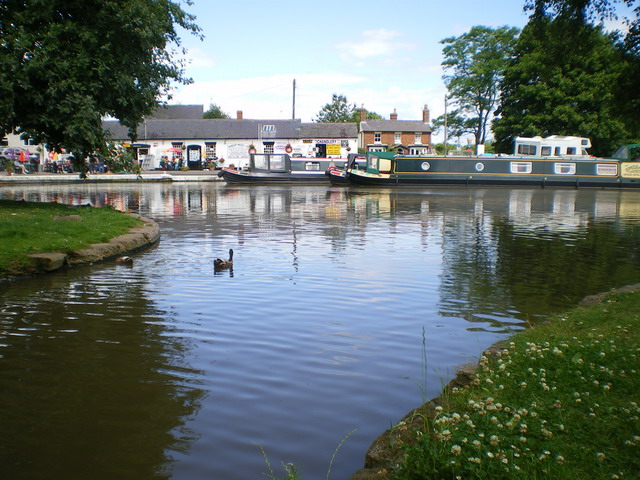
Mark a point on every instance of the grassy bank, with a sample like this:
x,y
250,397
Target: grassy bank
x,y
560,401
27,227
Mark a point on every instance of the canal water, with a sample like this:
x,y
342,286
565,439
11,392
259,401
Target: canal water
x,y
344,310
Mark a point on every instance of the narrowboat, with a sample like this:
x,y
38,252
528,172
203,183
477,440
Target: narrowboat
x,y
560,161
280,168
338,174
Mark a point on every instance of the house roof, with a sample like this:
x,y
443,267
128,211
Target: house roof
x,y
166,112
329,130
206,129
395,126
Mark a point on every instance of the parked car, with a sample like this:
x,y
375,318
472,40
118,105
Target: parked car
x,y
13,153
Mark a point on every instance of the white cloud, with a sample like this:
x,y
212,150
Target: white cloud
x,y
197,58
269,97
374,43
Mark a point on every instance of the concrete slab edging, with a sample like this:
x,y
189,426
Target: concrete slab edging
x,y
136,239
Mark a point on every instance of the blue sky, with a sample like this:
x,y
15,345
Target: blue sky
x,y
383,54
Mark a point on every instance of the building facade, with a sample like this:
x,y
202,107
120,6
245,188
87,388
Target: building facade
x,y
408,137
195,141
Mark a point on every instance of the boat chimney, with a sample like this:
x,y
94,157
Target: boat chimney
x,y
425,114
239,114
394,115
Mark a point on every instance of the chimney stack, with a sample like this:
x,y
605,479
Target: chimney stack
x,y
363,114
394,115
239,115
425,114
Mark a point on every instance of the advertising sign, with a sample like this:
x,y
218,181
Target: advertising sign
x,y
630,170
333,149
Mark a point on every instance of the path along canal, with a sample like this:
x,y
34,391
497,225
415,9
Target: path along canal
x,y
167,369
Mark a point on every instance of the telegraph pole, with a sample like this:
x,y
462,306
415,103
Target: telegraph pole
x,y
445,125
293,116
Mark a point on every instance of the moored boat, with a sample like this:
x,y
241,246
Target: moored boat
x,y
338,174
279,168
552,161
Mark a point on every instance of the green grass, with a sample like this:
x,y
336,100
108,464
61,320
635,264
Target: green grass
x,y
560,401
27,227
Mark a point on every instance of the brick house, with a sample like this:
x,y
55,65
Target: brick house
x,y
409,137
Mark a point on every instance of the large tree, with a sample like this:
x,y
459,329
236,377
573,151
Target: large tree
x,y
561,81
338,110
627,88
68,63
474,64
215,112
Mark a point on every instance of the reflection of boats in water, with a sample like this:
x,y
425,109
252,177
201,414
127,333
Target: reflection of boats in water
x,y
280,168
553,161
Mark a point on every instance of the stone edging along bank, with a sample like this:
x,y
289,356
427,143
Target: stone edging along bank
x,y
136,239
385,452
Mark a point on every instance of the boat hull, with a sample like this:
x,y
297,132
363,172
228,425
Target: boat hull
x,y
245,177
337,177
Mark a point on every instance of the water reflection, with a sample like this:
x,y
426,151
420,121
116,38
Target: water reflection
x,y
92,385
172,369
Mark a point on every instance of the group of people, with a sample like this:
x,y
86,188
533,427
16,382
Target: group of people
x,y
173,164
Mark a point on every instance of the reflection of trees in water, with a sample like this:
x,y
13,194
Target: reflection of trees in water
x,y
95,386
534,260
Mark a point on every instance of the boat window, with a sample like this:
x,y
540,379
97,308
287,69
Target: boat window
x,y
520,167
385,165
276,162
564,168
479,166
571,150
312,166
425,166
373,162
606,169
557,151
524,149
260,161
546,151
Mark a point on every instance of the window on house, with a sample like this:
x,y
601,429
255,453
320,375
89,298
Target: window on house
x,y
377,137
210,150
268,147
418,139
397,138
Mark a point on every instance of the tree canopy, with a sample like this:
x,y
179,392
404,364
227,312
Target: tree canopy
x,y
562,80
215,112
338,110
474,64
627,89
68,63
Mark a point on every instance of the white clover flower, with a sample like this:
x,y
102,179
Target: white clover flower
x,y
601,456
494,440
456,449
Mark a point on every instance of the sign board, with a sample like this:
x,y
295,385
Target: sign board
x,y
333,149
630,170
